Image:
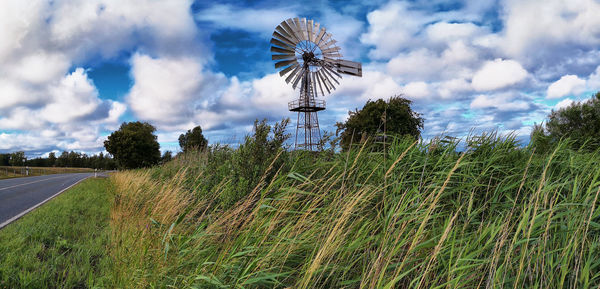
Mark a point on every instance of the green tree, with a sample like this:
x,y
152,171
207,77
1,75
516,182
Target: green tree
x,y
166,157
134,145
17,158
51,159
4,159
580,122
392,117
192,139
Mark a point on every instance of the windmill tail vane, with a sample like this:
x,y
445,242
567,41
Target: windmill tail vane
x,y
310,60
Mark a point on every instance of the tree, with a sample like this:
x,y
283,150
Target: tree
x,y
134,145
192,139
580,122
51,159
17,159
4,159
392,117
166,157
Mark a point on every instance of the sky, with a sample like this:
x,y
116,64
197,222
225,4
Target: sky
x,y
72,71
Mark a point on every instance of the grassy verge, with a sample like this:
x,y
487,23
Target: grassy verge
x,y
62,244
7,172
418,216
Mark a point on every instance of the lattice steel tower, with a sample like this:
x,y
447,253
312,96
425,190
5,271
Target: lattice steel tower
x,y
312,59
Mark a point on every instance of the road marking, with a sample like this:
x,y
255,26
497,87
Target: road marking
x,y
1,189
39,204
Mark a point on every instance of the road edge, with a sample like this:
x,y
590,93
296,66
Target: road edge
x,y
7,222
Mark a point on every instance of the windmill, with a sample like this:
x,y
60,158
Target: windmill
x,y
308,55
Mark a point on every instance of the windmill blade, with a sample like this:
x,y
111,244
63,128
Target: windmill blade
x,y
331,57
283,38
289,30
328,44
284,63
325,82
349,67
325,38
319,81
283,56
320,36
309,30
299,28
287,69
328,71
322,78
282,50
298,77
314,83
304,28
291,76
284,33
277,42
332,49
329,77
293,29
315,32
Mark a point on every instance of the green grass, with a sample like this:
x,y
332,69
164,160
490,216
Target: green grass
x,y
62,244
416,216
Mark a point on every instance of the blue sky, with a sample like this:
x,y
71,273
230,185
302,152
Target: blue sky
x,y
72,71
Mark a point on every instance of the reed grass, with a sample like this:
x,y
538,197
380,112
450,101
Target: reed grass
x,y
495,215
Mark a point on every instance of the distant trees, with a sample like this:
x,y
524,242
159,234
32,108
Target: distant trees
x,y
4,159
66,159
392,117
166,157
17,158
52,159
134,145
580,122
192,139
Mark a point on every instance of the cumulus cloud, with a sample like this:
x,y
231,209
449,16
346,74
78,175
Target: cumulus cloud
x,y
498,74
255,20
529,26
566,85
500,101
46,95
392,28
563,103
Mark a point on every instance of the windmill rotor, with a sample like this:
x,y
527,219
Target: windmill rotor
x,y
308,58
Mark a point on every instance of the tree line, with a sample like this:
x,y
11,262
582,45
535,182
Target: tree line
x,y
65,159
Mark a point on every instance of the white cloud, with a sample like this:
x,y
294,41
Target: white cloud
x,y
500,101
392,28
166,90
416,90
566,85
448,32
73,98
255,20
563,103
531,25
593,82
498,74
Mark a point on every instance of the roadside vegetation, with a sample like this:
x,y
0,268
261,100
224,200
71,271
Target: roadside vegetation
x,y
62,244
412,216
386,212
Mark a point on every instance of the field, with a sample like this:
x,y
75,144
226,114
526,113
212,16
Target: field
x,y
16,172
62,244
407,215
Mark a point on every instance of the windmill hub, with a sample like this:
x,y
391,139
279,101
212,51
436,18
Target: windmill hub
x,y
308,57
321,67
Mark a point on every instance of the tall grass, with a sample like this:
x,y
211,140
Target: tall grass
x,y
417,216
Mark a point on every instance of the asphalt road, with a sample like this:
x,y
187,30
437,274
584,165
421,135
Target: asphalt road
x,y
18,196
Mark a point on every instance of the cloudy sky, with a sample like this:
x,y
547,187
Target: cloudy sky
x,y
72,71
